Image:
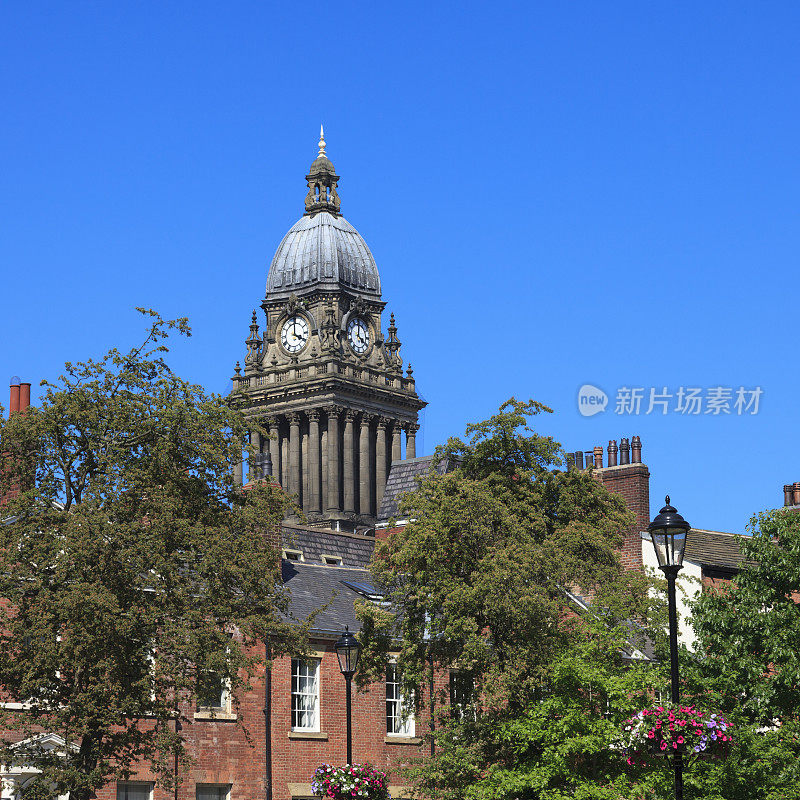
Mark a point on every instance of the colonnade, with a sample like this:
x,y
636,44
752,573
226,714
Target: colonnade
x,y
335,459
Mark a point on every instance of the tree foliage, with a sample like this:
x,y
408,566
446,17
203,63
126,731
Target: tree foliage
x,y
480,582
137,577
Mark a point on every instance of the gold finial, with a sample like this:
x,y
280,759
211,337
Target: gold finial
x,y
321,143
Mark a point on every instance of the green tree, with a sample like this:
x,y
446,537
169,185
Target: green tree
x,y
137,577
747,663
478,582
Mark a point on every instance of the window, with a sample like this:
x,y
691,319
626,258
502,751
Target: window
x,y
462,692
399,722
213,791
134,790
212,692
293,555
305,694
332,561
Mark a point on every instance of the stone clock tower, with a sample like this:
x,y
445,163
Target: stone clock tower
x,y
323,378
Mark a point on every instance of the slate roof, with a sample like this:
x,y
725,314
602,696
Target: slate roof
x,y
322,252
715,549
312,586
402,478
355,549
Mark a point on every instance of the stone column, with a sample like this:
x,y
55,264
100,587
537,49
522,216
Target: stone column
x,y
411,440
237,469
284,461
349,463
364,471
275,447
333,457
304,467
255,444
323,470
396,442
294,455
313,462
380,463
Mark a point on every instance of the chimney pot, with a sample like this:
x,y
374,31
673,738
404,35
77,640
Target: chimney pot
x,y
598,457
24,396
14,403
579,459
796,493
571,462
624,451
612,453
788,496
636,448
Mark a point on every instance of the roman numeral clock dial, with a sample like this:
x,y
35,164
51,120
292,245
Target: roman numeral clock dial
x,y
294,334
358,335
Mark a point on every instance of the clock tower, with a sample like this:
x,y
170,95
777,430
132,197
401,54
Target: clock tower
x,y
322,377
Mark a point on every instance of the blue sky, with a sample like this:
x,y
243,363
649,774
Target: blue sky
x,y
556,194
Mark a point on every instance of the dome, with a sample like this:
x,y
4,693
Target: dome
x,y
322,251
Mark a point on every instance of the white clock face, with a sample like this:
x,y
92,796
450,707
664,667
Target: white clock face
x,y
358,335
294,334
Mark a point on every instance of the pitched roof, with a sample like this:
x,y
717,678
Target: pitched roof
x,y
715,549
311,587
354,549
402,479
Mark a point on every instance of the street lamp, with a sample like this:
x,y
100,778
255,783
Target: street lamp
x,y
348,650
668,532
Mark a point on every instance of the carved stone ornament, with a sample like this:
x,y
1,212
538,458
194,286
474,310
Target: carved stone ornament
x,y
359,307
293,305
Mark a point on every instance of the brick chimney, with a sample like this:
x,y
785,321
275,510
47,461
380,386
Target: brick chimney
x,y
630,479
14,403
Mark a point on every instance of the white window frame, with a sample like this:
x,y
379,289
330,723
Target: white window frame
x,y
223,794
289,554
399,718
124,795
331,561
297,707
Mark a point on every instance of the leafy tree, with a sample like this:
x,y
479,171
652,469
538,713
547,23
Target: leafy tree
x,y
137,577
747,663
478,582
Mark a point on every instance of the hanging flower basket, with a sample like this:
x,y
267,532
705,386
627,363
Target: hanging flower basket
x,y
665,730
351,781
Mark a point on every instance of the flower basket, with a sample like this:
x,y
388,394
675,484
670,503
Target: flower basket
x,y
667,730
351,781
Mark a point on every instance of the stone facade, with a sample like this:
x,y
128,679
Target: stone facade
x,y
323,379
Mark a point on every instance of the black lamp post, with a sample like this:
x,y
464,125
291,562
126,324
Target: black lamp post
x,y
668,532
348,650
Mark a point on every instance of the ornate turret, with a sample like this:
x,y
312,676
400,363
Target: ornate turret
x,y
323,379
322,182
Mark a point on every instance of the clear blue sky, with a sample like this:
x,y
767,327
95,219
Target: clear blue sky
x,y
556,194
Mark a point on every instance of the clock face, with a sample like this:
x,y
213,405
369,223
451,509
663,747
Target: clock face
x,y
294,334
358,335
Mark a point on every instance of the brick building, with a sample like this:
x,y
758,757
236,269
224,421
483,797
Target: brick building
x,y
328,384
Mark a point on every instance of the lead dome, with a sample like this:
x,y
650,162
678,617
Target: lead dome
x,y
322,250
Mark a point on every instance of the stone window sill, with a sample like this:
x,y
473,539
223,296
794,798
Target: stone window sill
x,y
308,735
402,740
215,716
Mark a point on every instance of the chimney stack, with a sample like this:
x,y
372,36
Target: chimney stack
x,y
579,459
14,406
796,493
624,451
636,447
24,397
788,496
598,457
612,453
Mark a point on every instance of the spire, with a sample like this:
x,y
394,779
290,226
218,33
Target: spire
x,y
322,181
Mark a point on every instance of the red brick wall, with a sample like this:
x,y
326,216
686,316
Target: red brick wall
x,y
225,755
632,483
